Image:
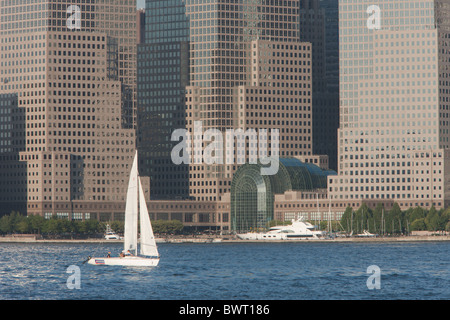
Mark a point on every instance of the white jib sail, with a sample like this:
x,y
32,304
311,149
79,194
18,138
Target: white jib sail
x,y
131,210
148,242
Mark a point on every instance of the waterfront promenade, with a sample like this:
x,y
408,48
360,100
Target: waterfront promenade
x,y
229,239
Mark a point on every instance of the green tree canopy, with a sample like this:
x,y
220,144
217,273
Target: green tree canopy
x,y
418,225
417,213
167,226
363,217
394,220
346,219
432,219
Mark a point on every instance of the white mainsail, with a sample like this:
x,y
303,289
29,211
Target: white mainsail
x,y
131,210
148,242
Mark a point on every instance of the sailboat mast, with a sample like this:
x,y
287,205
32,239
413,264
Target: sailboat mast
x,y
138,212
329,215
318,210
138,203
136,173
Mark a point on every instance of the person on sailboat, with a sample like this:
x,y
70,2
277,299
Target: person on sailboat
x,y
108,255
125,253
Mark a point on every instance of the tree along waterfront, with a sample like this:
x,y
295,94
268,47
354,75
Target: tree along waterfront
x,y
376,221
16,223
394,221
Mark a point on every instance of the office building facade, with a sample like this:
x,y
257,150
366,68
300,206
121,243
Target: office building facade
x,y
319,25
163,75
228,65
393,136
71,90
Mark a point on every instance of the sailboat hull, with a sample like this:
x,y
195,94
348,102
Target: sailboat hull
x,y
132,261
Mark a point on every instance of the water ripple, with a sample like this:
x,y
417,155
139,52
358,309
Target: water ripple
x,y
289,271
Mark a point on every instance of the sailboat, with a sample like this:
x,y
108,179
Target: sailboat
x,y
136,207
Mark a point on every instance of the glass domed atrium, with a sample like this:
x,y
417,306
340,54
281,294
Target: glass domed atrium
x,y
252,194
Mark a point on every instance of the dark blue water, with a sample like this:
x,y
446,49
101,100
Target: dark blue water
x,y
286,271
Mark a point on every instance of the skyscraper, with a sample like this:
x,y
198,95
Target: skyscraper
x,y
228,65
70,89
163,74
140,25
394,136
319,26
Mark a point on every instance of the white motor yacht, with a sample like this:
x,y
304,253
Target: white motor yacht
x,y
110,234
298,230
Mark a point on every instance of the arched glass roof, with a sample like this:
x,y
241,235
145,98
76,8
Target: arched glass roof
x,y
306,176
252,194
